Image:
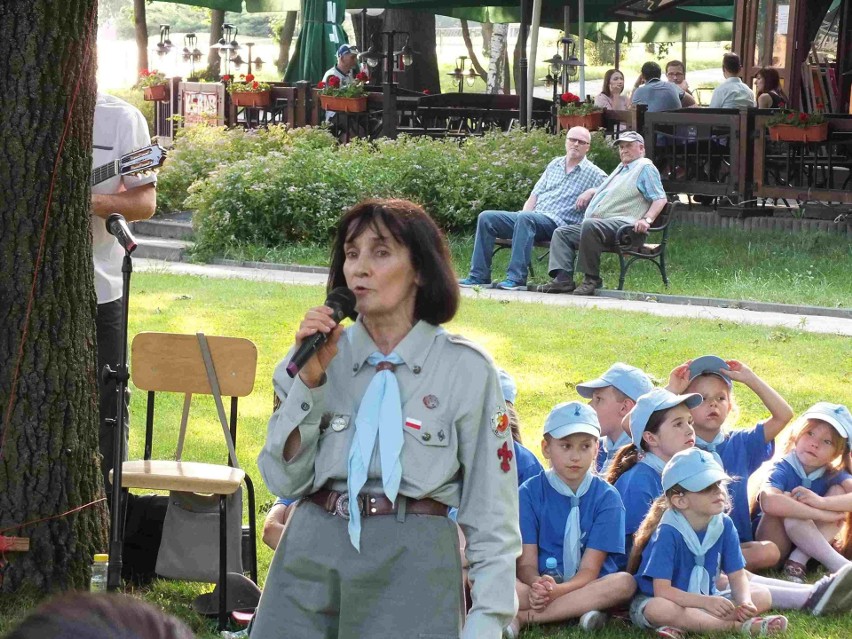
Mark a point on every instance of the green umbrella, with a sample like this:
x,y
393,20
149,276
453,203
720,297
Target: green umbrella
x,y
226,5
316,48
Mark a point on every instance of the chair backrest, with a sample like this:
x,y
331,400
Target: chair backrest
x,y
172,362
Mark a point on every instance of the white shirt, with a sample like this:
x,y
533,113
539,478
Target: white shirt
x,y
118,128
732,94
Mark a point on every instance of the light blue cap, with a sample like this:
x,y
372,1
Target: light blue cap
x,y
649,403
693,469
835,414
345,49
508,386
569,418
709,364
630,380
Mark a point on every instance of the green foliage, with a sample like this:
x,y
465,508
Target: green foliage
x,y
188,19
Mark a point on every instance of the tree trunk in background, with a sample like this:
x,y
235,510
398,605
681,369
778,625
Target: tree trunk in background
x,y
49,462
507,72
217,18
471,52
516,61
497,58
141,29
421,25
285,40
487,30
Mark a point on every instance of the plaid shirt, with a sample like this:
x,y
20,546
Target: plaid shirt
x,y
556,191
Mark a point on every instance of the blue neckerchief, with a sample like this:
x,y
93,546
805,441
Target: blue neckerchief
x,y
807,478
612,448
571,554
711,447
699,578
650,459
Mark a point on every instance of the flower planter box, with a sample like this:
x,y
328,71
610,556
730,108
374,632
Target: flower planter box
x,y
249,99
157,93
592,121
790,133
349,105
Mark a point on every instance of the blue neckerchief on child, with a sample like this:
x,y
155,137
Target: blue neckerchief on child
x,y
612,448
699,578
793,460
650,459
379,419
571,538
711,447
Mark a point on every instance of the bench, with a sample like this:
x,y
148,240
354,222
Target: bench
x,y
474,113
500,244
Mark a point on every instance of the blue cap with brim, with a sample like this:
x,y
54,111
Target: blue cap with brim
x,y
837,415
692,469
630,380
649,403
709,365
346,49
508,386
570,418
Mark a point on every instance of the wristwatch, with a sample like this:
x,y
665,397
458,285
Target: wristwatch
x,y
648,220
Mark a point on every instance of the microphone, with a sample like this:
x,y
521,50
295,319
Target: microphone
x,y
342,302
116,225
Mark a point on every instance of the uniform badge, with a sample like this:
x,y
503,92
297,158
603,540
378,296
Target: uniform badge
x,y
414,424
441,435
338,424
505,455
430,401
500,423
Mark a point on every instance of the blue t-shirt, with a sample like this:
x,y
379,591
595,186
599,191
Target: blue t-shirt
x,y
638,487
667,557
784,478
742,453
658,95
607,451
528,464
544,513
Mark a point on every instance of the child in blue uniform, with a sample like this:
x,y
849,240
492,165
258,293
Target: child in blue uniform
x,y
808,493
660,426
740,452
573,518
683,542
527,463
613,395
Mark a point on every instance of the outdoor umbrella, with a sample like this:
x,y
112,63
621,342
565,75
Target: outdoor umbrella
x,y
316,48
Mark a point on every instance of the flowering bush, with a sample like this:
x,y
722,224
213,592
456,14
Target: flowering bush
x,y
247,84
572,105
150,79
332,86
796,118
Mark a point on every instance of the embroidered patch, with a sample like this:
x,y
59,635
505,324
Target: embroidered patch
x,y
505,455
414,424
500,423
430,401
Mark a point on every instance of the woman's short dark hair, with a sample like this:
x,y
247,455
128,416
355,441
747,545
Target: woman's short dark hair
x,y
607,76
437,298
84,615
771,79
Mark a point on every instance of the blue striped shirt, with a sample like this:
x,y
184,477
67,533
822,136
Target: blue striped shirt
x,y
557,191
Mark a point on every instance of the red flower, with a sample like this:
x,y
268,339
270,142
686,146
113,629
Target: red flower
x,y
333,81
249,77
426,92
362,77
569,97
144,73
254,85
320,85
226,78
803,117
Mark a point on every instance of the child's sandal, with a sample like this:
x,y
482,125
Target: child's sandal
x,y
670,632
771,625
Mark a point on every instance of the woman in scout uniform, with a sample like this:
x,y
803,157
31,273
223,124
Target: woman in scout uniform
x,y
392,422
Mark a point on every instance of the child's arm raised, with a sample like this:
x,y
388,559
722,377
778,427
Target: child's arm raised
x,y
715,605
778,408
741,592
774,502
679,378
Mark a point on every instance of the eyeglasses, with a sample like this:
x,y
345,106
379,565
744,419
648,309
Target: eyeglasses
x,y
674,74
580,142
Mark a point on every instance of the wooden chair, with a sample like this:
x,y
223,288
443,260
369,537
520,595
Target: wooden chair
x,y
167,362
631,246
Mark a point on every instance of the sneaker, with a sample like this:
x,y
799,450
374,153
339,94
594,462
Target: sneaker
x,y
831,594
513,630
509,285
794,571
670,632
589,286
470,282
556,287
593,620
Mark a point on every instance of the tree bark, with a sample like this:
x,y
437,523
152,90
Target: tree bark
x,y
140,26
49,462
497,58
217,18
516,60
471,52
423,74
285,40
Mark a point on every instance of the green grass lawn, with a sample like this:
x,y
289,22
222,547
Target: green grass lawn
x,y
547,349
809,268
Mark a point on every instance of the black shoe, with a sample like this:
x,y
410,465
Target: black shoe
x,y
556,287
589,285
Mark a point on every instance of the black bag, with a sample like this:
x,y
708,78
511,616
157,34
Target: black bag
x,y
143,531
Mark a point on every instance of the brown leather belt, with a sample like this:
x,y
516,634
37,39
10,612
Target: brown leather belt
x,y
370,505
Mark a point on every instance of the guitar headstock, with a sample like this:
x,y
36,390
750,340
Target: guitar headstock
x,y
142,160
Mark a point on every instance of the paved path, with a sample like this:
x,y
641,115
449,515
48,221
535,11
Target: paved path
x,y
810,323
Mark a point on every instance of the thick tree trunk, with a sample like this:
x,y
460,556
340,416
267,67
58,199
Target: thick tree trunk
x,y
49,438
423,74
217,18
141,28
516,62
285,40
497,58
471,52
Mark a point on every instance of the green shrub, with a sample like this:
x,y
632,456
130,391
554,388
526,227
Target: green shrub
x,y
134,97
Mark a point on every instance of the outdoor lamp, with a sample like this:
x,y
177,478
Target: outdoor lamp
x,y
571,63
471,76
548,80
164,45
192,54
457,74
372,55
237,61
258,63
407,54
554,65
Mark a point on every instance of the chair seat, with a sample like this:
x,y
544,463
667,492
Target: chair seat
x,y
193,477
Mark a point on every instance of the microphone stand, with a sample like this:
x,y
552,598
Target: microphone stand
x,y
121,376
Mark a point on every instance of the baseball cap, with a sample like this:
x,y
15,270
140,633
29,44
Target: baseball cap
x,y
835,414
693,469
569,418
630,136
709,364
630,380
345,49
649,403
508,386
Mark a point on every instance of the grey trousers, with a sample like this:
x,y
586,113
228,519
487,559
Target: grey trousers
x,y
587,241
406,583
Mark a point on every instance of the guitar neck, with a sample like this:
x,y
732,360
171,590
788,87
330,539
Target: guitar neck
x,y
104,172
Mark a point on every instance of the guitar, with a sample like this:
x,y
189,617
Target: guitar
x,y
145,159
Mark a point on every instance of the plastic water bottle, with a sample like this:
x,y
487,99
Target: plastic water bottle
x,y
99,573
551,569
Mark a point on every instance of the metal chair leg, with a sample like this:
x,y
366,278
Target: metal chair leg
x,y
223,562
252,528
623,273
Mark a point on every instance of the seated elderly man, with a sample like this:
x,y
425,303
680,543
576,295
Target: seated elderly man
x,y
552,204
632,194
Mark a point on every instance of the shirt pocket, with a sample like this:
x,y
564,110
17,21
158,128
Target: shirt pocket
x,y
336,432
428,451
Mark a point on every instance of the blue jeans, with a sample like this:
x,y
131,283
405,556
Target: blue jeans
x,y
524,228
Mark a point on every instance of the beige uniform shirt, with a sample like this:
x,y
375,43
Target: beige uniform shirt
x,y
454,451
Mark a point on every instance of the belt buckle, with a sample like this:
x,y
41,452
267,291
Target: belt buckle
x,y
341,506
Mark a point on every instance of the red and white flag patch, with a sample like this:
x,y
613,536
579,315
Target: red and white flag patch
x,y
412,423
